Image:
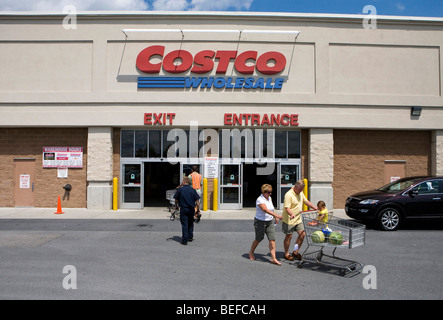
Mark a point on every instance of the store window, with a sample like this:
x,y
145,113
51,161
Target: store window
x,y
141,144
127,144
246,143
294,144
154,144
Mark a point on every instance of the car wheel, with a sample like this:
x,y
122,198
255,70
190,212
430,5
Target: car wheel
x,y
389,219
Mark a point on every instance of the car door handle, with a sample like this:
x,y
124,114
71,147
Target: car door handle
x,y
436,198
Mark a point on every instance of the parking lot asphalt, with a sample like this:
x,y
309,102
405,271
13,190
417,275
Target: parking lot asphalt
x,y
136,254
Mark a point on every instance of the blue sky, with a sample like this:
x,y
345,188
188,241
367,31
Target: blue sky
x,y
425,8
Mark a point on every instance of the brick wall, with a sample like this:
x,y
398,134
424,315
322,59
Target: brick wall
x,y
359,158
28,143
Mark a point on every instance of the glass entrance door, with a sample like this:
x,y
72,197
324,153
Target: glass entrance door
x,y
289,175
230,192
186,169
132,188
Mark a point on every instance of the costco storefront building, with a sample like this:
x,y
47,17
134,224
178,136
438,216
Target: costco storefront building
x,y
250,98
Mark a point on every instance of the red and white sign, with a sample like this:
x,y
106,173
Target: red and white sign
x,y
25,181
231,119
62,157
255,119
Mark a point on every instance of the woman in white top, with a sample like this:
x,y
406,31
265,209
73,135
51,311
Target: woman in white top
x,y
264,222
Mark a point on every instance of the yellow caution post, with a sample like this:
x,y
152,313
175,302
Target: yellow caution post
x,y
205,194
215,199
114,194
305,192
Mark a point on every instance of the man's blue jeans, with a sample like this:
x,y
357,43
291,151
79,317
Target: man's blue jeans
x,y
187,222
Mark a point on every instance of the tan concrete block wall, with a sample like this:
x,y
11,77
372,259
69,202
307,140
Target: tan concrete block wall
x,y
100,154
28,143
321,155
304,154
437,152
359,158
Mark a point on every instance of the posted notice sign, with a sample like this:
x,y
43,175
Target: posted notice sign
x,y
211,167
62,157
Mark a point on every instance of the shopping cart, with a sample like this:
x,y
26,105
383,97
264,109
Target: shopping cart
x,y
336,233
175,213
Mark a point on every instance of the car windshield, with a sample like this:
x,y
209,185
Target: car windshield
x,y
398,185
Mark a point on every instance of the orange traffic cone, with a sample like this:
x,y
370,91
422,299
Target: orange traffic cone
x,y
59,207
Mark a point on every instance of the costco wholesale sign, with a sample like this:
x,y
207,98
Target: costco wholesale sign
x,y
182,61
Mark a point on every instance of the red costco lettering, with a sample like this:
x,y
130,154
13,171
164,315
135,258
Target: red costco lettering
x,y
203,62
145,55
181,61
186,58
279,59
240,62
224,58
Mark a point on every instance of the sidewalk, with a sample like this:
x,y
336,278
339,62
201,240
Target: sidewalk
x,y
146,213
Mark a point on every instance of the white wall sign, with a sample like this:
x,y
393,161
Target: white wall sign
x,y
211,167
25,181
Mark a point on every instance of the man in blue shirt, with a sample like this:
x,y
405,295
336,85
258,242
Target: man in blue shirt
x,y
187,199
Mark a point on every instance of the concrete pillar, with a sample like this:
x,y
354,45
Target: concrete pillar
x,y
437,153
99,173
321,166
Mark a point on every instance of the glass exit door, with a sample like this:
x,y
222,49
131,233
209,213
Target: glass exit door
x,y
230,194
289,175
132,188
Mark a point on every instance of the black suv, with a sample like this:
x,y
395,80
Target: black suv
x,y
413,197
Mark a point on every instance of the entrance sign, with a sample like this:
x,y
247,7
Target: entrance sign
x,y
232,119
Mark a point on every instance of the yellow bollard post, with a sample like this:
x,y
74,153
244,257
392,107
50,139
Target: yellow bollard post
x,y
205,194
115,194
215,199
305,192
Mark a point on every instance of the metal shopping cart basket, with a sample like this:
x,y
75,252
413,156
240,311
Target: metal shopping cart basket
x,y
174,212
336,233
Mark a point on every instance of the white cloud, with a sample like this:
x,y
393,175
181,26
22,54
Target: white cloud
x,y
125,5
170,5
400,6
200,5
80,5
211,5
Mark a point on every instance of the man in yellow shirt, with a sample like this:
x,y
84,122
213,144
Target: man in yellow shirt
x,y
292,220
